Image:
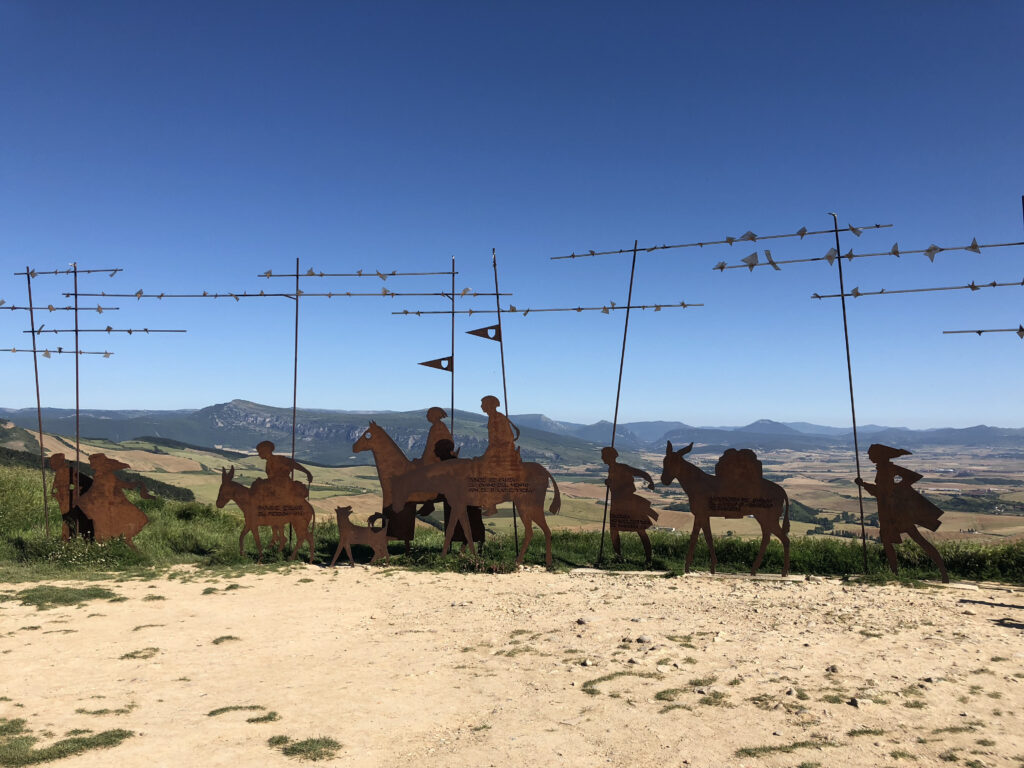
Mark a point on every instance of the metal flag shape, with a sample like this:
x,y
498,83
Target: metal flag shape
x,y
442,364
492,332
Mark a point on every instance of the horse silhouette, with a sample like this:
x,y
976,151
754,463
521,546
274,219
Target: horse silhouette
x,y
473,482
715,496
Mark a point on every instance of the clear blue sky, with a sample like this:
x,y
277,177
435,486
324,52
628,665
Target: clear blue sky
x,y
199,144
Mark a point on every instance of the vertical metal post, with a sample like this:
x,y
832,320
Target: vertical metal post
x,y
849,375
504,385
39,404
295,380
451,416
78,412
618,392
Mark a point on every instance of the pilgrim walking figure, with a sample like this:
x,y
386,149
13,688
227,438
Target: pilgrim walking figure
x,y
629,510
74,520
901,508
105,504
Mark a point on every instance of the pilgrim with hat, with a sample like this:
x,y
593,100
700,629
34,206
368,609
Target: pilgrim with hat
x,y
106,505
900,508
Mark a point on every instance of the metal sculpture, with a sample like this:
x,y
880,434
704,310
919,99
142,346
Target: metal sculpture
x,y
349,534
497,476
629,510
399,521
105,504
735,490
269,503
901,508
69,484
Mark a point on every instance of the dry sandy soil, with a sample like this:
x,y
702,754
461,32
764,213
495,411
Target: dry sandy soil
x,y
533,668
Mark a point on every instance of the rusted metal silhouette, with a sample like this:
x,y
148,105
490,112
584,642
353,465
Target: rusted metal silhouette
x,y
901,508
735,490
438,431
349,534
497,476
105,504
275,505
445,451
399,521
629,510
65,478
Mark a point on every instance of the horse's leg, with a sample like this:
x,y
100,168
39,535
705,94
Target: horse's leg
x,y
706,525
527,538
784,538
692,545
645,539
616,542
450,530
466,533
538,517
931,551
766,535
259,546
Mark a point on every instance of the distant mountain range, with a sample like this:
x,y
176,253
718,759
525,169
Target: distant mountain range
x,y
326,436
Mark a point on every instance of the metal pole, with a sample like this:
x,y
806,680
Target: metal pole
x,y
295,379
39,405
451,417
853,408
618,393
504,386
77,469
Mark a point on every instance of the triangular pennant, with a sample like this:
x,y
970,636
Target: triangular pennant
x,y
750,261
848,255
492,332
973,247
749,236
855,230
46,353
855,293
768,255
930,252
895,250
831,255
802,231
720,266
1020,331
442,364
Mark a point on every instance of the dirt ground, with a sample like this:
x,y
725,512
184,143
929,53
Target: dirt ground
x,y
533,668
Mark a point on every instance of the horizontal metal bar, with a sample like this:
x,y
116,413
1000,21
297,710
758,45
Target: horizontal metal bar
x,y
106,330
526,310
894,251
52,308
357,273
58,351
1019,330
749,237
262,295
857,293
36,273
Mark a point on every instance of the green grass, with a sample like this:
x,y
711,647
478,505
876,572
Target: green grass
x,y
191,533
771,749
17,744
319,748
865,732
235,708
590,686
142,653
45,596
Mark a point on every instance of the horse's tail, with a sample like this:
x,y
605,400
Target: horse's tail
x,y
785,516
556,503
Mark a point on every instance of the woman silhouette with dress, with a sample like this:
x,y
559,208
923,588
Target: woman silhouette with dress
x,y
900,508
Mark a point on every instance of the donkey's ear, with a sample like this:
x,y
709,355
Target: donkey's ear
x,y
373,423
668,447
686,450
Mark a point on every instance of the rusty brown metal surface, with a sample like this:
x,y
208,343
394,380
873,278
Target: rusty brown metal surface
x,y
349,533
735,490
901,508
